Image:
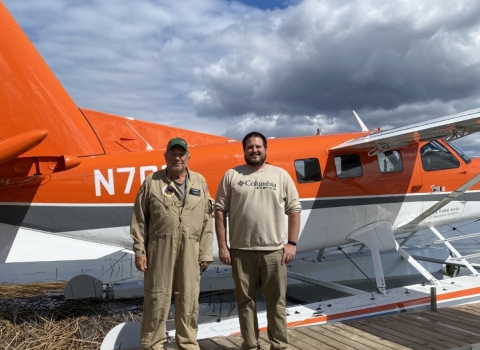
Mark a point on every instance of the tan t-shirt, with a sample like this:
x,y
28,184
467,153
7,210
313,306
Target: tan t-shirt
x,y
257,202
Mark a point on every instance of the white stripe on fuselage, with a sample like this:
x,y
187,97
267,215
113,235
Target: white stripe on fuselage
x,y
324,227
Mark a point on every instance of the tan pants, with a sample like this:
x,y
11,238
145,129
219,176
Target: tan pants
x,y
260,270
172,265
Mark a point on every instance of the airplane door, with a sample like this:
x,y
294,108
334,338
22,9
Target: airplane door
x,y
442,173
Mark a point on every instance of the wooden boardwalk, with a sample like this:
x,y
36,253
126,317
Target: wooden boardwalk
x,y
449,328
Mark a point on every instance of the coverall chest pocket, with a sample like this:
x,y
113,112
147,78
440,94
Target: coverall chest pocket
x,y
195,215
163,214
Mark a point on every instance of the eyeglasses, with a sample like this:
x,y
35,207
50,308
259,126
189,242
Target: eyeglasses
x,y
176,154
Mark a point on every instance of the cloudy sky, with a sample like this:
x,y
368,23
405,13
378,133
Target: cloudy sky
x,y
282,67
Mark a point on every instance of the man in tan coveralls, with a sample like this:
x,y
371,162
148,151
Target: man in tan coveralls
x,y
172,240
257,196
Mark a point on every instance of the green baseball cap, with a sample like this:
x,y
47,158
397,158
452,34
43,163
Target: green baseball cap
x,y
177,141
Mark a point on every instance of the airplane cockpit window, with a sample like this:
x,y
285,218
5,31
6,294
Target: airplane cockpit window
x,y
390,161
348,166
436,157
459,151
308,170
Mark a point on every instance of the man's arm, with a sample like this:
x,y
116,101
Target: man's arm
x,y
293,231
206,239
141,263
221,230
293,226
138,229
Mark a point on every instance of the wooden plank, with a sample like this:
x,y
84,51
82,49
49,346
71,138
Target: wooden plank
x,y
236,339
423,330
225,343
395,323
205,344
440,317
387,344
470,308
351,340
208,344
310,342
462,315
442,330
263,341
360,337
334,343
292,345
380,329
458,311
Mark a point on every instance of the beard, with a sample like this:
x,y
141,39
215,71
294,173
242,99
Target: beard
x,y
176,168
255,163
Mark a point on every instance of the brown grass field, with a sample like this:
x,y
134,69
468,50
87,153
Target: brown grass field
x,y
37,316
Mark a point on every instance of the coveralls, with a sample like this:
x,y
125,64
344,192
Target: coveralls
x,y
175,237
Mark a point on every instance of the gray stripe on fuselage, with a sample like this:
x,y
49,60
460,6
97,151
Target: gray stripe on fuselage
x,y
64,218
357,201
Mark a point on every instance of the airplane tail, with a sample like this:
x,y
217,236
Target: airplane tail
x,y
41,123
32,98
118,134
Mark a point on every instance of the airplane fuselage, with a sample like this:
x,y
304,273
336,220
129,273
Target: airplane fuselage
x,y
333,206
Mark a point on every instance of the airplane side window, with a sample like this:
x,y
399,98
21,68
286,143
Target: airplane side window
x,y
390,162
307,170
348,166
436,157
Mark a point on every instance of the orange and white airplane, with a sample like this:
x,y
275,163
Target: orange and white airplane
x,y
69,176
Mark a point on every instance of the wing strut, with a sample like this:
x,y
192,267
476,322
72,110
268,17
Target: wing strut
x,y
412,225
458,256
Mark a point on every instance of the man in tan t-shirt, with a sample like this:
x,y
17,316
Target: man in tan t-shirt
x,y
257,197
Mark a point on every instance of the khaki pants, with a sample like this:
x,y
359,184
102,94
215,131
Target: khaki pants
x,y
260,270
172,266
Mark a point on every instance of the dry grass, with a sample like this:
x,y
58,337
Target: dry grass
x,y
39,317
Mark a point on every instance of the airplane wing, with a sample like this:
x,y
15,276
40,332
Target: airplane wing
x,y
449,127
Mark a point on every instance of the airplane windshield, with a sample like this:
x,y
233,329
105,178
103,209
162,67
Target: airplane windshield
x,y
459,151
436,156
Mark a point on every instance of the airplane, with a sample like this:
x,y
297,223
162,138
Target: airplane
x,y
69,175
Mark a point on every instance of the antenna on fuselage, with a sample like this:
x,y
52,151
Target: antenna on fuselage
x,y
364,128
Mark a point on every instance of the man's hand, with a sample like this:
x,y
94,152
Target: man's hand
x,y
141,263
204,265
289,252
224,255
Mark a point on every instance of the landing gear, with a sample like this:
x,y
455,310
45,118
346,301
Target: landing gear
x,y
452,271
379,237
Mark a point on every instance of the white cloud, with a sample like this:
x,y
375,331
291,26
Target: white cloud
x,y
286,125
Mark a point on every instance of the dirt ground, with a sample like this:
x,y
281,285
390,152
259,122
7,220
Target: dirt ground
x,y
39,317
